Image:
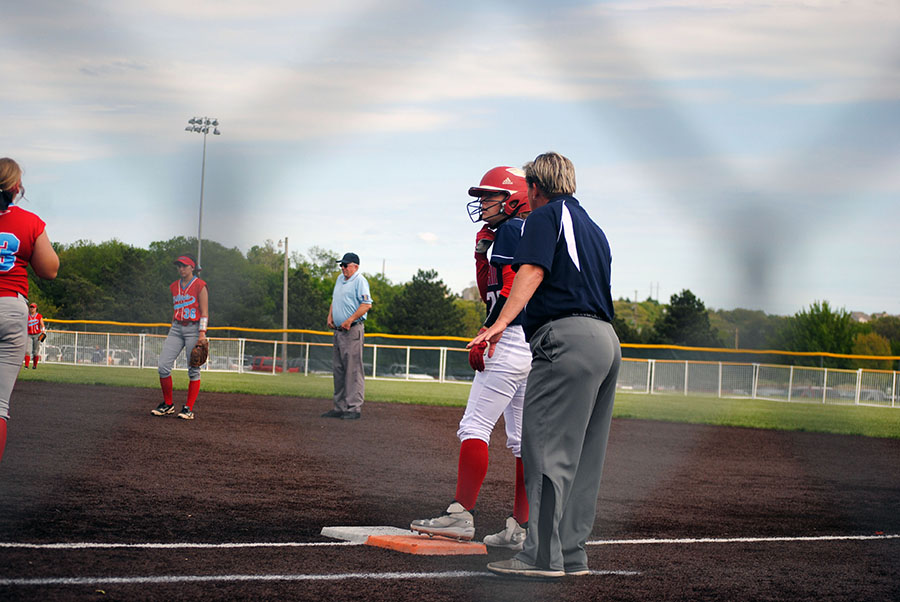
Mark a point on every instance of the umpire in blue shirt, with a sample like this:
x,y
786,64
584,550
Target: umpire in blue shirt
x,y
563,274
350,302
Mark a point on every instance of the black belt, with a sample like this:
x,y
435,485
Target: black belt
x,y
187,322
581,315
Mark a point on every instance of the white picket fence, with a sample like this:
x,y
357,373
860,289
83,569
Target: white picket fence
x,y
449,364
761,381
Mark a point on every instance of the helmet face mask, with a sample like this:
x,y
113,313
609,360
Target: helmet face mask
x,y
509,181
476,208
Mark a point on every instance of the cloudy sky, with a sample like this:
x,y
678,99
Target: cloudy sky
x,y
746,150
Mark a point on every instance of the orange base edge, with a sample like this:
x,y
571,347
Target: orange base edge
x,y
427,546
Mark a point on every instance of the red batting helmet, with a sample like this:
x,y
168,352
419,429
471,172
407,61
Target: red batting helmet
x,y
508,180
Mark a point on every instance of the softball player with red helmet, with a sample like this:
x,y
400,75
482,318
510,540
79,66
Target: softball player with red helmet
x,y
190,299
499,384
23,241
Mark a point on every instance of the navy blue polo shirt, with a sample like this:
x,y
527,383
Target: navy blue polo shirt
x,y
562,239
506,241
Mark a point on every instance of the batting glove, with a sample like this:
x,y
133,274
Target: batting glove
x,y
483,240
476,354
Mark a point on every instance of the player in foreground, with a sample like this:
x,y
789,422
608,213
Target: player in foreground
x,y
563,265
35,336
191,301
499,384
24,241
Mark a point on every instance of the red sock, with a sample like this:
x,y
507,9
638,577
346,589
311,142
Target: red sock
x,y
520,507
166,384
193,391
36,358
27,360
2,437
473,464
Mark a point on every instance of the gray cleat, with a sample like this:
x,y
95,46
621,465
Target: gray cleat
x,y
456,522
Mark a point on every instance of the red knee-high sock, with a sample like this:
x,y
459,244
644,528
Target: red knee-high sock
x,y
166,384
27,360
193,391
520,507
473,464
2,437
36,358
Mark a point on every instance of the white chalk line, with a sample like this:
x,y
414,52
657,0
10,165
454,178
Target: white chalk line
x,y
294,544
693,540
51,581
174,546
165,579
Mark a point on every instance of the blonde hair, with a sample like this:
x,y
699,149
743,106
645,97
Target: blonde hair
x,y
552,172
10,173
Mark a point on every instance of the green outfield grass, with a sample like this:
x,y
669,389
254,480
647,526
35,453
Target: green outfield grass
x,y
751,413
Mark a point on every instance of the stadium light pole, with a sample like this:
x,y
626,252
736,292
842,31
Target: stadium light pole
x,y
201,125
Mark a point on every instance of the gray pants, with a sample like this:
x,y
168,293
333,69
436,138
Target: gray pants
x,y
347,367
568,409
13,336
180,337
34,345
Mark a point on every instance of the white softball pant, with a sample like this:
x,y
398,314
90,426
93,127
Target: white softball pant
x,y
181,336
13,336
499,389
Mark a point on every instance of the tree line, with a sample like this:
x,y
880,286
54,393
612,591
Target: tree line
x,y
115,281
820,327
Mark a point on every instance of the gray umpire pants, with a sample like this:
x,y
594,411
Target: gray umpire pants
x,y
565,427
13,336
347,367
181,336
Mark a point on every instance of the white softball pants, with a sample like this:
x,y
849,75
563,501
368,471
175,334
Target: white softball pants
x,y
499,389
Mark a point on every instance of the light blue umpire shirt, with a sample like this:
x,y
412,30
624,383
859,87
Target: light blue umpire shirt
x,y
348,295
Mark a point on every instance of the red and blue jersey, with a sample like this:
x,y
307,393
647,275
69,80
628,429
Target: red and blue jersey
x,y
18,231
34,323
186,300
500,275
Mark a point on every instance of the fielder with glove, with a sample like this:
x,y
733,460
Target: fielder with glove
x,y
190,299
36,335
499,384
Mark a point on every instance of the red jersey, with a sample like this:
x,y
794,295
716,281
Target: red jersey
x,y
18,231
34,323
186,300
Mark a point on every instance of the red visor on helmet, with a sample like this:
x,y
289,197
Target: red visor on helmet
x,y
508,180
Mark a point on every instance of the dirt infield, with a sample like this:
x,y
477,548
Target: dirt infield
x,y
90,464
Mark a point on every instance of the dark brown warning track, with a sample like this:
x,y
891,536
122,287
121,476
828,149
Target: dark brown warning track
x,y
90,464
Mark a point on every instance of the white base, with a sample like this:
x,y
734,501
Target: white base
x,y
361,534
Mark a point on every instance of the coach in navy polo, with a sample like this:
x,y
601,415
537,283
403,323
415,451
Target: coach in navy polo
x,y
563,275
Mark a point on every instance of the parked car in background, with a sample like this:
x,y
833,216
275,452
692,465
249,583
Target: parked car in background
x,y
52,353
263,363
231,364
120,357
414,373
82,355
